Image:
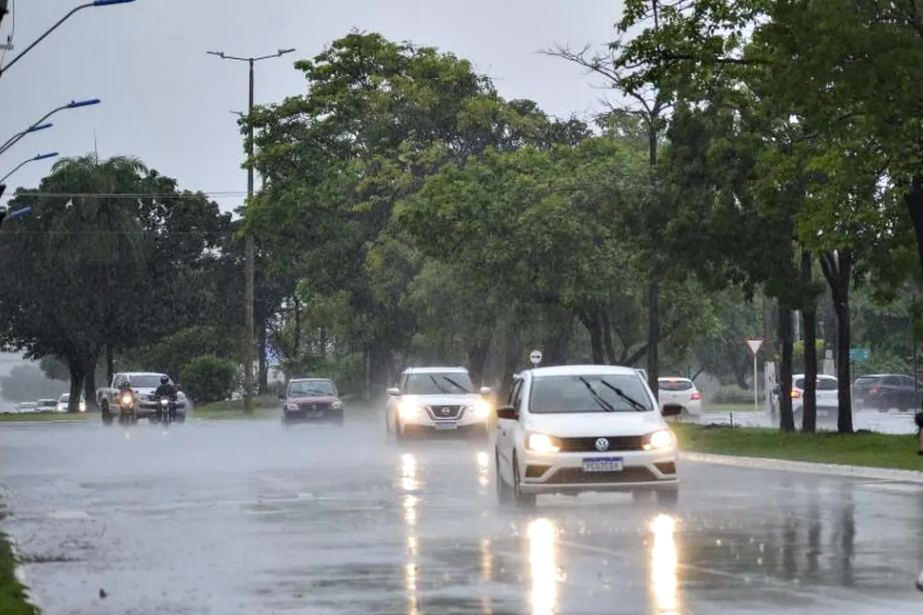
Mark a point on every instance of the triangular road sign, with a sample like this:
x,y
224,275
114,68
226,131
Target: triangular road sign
x,y
755,345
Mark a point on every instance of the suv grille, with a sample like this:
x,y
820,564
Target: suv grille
x,y
446,412
311,406
616,443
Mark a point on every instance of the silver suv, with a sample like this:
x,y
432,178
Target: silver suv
x,y
437,399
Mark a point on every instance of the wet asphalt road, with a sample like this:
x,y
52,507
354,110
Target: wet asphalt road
x,y
231,518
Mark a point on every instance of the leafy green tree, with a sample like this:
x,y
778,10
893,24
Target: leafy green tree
x,y
209,378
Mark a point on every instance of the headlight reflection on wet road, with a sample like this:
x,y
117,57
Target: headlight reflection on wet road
x,y
543,566
664,562
409,483
487,572
483,470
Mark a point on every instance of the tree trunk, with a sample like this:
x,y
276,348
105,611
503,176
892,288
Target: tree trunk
x,y
837,268
653,337
590,321
557,340
89,383
913,199
809,321
608,345
786,418
296,342
477,360
110,363
380,359
77,376
512,355
263,381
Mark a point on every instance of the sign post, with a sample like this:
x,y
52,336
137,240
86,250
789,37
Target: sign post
x,y
754,346
536,357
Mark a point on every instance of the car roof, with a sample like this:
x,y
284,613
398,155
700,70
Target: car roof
x,y
582,370
141,374
435,370
318,379
674,379
819,376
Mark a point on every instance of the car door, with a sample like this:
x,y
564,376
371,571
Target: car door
x,y
506,430
908,394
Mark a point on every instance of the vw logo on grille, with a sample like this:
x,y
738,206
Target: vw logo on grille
x,y
446,412
602,444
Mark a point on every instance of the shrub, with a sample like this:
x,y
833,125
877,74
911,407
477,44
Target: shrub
x,y
209,378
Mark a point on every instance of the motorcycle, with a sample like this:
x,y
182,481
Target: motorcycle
x,y
127,413
167,412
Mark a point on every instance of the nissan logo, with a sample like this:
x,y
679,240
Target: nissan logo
x,y
602,444
446,412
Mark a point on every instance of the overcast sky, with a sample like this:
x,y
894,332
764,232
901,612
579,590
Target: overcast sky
x,y
167,102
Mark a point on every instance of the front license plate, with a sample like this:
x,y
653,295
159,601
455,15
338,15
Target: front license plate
x,y
605,464
446,426
314,415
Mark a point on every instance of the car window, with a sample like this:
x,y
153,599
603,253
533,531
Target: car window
x,y
571,394
892,381
799,383
667,384
515,391
907,381
827,384
866,380
312,388
438,383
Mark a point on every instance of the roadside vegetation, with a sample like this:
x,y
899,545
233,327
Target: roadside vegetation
x,y
47,417
862,449
12,593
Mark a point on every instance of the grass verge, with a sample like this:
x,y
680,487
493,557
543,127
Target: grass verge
x,y
730,407
12,593
862,449
48,416
264,406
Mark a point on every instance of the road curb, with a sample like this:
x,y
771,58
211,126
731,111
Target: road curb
x,y
23,578
829,469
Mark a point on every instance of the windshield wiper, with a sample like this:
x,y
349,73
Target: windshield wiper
x,y
638,406
455,384
599,400
441,388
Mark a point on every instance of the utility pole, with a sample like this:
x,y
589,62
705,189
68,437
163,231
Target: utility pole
x,y
250,249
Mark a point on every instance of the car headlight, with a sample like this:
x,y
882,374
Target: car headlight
x,y
127,399
408,410
337,405
660,440
540,443
291,407
480,408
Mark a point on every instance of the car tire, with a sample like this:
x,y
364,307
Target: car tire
x,y
504,491
522,500
668,497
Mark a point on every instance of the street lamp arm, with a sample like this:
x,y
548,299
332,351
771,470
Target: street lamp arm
x,y
45,35
16,168
17,137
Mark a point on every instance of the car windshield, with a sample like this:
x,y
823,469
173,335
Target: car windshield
x,y
145,382
823,384
666,384
65,398
312,388
588,393
435,383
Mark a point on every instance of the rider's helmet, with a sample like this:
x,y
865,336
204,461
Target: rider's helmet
x,y
164,380
126,383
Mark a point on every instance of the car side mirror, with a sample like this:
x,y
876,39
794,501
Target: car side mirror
x,y
671,410
509,413
394,391
486,391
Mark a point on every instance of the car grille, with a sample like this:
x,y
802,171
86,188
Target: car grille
x,y
616,443
566,476
314,406
445,413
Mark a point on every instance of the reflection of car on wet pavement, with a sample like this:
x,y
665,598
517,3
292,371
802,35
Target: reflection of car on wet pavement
x,y
311,400
437,399
680,394
572,429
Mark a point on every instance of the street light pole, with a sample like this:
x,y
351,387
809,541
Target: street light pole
x,y
27,161
250,248
57,25
74,104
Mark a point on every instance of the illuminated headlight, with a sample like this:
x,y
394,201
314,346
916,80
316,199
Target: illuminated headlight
x,y
480,409
127,400
660,440
408,410
291,407
337,405
164,402
540,443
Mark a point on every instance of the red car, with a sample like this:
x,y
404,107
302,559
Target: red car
x,y
311,400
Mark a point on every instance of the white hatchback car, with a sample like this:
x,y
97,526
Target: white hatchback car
x,y
682,393
579,428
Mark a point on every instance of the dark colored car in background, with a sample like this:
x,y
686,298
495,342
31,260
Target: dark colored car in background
x,y
885,391
311,400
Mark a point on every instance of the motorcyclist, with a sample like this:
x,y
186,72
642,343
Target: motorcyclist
x,y
125,387
168,390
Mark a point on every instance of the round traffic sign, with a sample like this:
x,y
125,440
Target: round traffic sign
x,y
535,357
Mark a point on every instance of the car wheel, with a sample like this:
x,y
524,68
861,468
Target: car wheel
x,y
523,500
504,492
668,497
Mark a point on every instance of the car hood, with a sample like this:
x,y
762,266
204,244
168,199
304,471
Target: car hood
x,y
147,392
326,399
592,424
441,400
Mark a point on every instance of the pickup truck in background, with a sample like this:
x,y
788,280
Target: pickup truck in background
x,y
143,385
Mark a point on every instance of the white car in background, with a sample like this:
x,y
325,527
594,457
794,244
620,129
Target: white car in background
x,y
827,395
582,428
680,393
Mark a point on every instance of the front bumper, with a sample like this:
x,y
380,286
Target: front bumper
x,y
424,422
314,416
564,473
